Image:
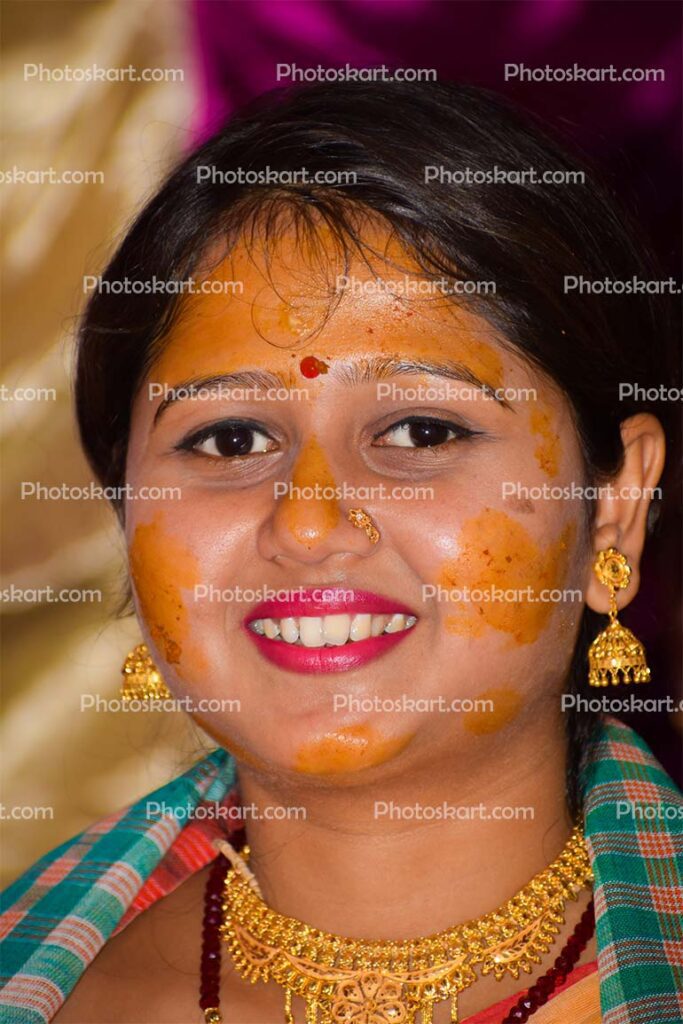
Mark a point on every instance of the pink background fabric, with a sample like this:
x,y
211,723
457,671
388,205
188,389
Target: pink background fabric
x,y
634,130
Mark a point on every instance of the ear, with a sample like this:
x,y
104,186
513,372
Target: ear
x,y
621,509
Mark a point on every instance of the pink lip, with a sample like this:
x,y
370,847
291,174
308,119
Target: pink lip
x,y
322,660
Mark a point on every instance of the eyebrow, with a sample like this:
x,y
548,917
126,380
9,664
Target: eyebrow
x,y
366,371
257,379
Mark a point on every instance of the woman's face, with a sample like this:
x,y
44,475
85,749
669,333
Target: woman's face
x,y
377,407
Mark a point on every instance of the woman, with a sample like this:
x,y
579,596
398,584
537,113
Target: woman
x,y
361,456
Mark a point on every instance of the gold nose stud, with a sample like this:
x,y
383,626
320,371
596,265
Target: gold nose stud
x,y
359,518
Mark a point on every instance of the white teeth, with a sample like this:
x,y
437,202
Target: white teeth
x,y
272,628
311,631
330,630
378,624
360,627
290,630
336,629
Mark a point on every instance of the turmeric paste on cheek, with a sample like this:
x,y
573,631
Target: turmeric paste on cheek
x,y
547,452
497,554
161,568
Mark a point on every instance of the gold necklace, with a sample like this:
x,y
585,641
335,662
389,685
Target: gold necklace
x,y
363,981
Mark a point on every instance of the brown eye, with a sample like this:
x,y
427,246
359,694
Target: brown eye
x,y
234,440
418,434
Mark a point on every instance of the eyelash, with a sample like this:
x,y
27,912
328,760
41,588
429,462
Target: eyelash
x,y
191,443
461,433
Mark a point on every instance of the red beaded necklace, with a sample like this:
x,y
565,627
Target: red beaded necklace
x,y
541,991
210,970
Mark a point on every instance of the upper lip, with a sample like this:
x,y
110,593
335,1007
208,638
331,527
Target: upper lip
x,y
333,600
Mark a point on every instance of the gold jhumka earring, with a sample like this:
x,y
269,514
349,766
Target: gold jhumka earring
x,y
616,655
141,678
359,518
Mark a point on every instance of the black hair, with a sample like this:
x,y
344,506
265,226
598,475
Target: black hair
x,y
527,237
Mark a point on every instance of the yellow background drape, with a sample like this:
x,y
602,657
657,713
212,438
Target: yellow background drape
x,y
76,765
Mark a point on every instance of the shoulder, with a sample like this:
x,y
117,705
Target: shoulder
x,y
150,969
59,915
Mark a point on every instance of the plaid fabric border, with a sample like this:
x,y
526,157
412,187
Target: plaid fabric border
x,y
61,912
634,829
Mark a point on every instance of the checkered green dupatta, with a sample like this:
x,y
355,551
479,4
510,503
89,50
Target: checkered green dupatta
x,y
62,911
634,829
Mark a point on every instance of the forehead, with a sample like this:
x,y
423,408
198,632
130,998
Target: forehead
x,y
269,306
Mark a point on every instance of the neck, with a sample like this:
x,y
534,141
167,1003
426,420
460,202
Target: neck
x,y
350,870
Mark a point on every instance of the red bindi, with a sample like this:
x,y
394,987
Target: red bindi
x,y
312,367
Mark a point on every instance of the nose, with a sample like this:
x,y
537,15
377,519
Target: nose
x,y
308,522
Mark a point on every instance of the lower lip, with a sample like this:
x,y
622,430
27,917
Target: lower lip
x,y
322,660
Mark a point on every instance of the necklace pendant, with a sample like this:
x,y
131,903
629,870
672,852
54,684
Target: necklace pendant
x,y
369,997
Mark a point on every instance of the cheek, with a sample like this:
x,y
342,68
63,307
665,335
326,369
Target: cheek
x,y
548,450
506,703
348,750
161,569
509,569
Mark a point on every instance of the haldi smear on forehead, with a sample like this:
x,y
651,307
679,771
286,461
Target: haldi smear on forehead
x,y
496,552
293,319
348,750
311,518
272,328
547,452
483,359
161,567
434,335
